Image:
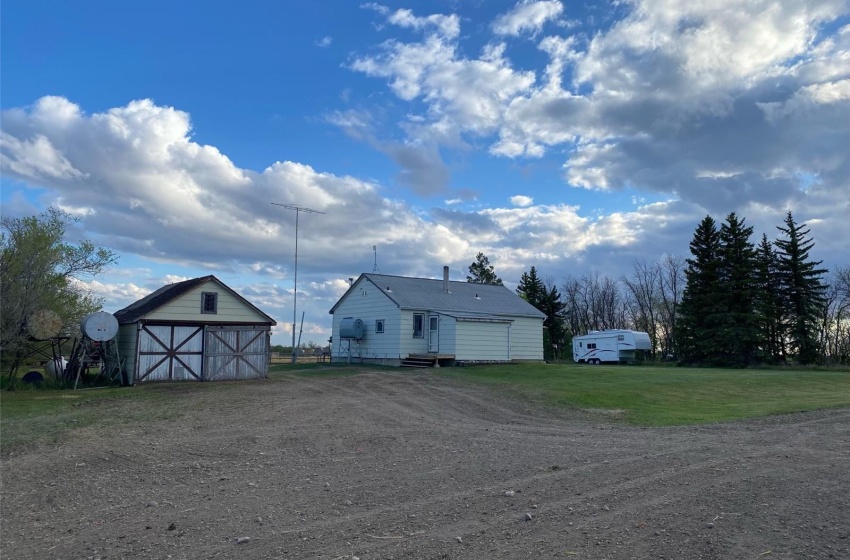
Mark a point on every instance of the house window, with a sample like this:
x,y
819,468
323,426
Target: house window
x,y
379,325
209,303
418,325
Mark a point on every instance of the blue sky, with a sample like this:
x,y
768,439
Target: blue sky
x,y
575,137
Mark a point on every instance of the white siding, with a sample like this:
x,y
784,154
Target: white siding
x,y
482,341
448,335
409,344
188,308
126,341
368,303
527,339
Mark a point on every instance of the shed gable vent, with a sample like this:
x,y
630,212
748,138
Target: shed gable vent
x,y
209,302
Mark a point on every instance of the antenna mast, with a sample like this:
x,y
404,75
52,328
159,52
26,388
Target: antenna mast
x,y
298,210
375,268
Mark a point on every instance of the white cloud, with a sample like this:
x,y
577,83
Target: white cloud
x,y
325,42
527,17
35,158
151,191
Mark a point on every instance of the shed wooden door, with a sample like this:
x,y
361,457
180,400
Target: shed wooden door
x,y
170,353
236,353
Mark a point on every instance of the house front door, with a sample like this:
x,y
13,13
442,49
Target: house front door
x,y
433,334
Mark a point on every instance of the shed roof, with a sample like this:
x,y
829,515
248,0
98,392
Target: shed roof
x,y
428,294
169,293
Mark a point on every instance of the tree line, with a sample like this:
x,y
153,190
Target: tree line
x,y
731,303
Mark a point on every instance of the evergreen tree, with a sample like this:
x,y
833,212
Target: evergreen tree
x,y
482,272
553,307
768,303
738,334
802,289
701,309
531,288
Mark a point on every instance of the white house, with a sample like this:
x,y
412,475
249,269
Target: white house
x,y
198,329
406,321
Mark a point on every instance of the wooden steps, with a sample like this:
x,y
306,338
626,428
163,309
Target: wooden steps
x,y
418,361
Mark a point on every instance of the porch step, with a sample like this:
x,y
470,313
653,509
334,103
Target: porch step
x,y
418,362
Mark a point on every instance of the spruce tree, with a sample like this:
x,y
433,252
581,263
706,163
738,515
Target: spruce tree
x,y
552,305
802,289
737,334
531,288
768,303
700,311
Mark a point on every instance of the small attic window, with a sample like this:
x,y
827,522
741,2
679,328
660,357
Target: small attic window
x,y
209,303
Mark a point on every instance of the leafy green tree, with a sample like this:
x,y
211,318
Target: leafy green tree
x,y
531,288
802,289
768,304
701,308
40,272
738,333
482,272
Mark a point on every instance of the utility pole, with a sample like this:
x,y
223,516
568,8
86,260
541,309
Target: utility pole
x,y
298,210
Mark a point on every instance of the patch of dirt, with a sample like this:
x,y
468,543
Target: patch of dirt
x,y
396,465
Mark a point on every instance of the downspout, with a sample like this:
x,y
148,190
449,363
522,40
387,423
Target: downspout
x,y
509,340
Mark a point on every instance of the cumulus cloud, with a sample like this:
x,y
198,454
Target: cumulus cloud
x,y
147,190
717,104
527,17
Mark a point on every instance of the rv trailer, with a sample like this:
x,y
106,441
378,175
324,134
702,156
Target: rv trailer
x,y
612,346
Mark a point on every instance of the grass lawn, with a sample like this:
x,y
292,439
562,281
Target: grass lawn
x,y
666,396
644,395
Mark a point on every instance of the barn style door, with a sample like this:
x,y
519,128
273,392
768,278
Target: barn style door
x,y
170,353
236,353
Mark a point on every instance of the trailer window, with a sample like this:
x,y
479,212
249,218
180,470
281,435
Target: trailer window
x,y
591,346
579,345
621,337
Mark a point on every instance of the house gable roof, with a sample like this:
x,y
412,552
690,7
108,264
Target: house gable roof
x,y
169,293
428,294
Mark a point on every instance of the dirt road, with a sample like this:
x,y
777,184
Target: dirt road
x,y
395,465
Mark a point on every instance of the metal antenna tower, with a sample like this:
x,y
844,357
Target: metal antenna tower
x,y
298,210
375,268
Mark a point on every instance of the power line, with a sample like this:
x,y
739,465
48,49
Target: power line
x,y
298,210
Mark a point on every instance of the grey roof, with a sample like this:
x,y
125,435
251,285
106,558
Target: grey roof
x,y
428,294
170,292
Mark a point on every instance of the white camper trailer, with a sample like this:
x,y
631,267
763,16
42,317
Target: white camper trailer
x,y
613,346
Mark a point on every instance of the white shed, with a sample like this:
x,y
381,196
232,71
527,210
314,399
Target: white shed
x,y
425,321
198,329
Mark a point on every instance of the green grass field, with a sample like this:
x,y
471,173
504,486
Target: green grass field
x,y
641,395
665,396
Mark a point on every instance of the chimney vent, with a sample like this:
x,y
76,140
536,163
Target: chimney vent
x,y
446,279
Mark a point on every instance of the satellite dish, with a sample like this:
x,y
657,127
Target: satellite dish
x,y
44,324
100,326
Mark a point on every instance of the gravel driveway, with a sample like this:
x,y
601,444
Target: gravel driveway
x,y
398,465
